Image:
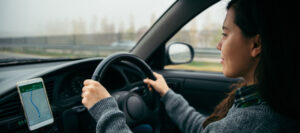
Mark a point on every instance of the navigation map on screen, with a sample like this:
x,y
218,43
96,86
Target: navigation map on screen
x,y
35,103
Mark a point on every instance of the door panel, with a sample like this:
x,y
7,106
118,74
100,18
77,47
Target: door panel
x,y
203,90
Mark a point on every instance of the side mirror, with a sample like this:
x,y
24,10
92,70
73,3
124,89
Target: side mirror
x,y
179,53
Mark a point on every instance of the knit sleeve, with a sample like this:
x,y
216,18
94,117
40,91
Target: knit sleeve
x,y
186,117
108,116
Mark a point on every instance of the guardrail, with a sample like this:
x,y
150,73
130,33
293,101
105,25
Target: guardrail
x,y
200,53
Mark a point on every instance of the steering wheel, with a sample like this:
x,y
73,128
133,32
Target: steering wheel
x,y
138,104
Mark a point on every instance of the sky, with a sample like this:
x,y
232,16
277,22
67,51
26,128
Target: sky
x,y
20,18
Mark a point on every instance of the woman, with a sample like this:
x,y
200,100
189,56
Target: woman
x,y
256,45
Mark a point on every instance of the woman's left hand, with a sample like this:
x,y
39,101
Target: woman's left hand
x,y
93,92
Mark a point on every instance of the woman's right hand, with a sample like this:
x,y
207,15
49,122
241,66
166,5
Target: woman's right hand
x,y
159,84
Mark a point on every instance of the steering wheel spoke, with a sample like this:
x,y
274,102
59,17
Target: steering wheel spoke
x,y
139,104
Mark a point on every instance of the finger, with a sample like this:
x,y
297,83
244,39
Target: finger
x,y
149,86
85,94
84,88
84,101
146,81
149,81
82,94
90,89
89,82
86,82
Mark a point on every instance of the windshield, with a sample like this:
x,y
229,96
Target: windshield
x,y
74,28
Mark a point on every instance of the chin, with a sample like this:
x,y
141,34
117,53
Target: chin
x,y
229,74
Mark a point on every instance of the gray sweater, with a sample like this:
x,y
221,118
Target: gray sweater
x,y
258,118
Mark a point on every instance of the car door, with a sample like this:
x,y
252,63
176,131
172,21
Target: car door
x,y
201,82
203,90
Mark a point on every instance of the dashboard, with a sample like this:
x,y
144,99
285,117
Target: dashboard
x,y
63,81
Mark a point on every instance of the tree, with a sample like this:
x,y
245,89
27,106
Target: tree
x,y
121,27
94,25
79,26
57,27
131,28
111,27
193,32
104,25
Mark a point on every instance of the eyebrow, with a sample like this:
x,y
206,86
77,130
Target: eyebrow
x,y
223,27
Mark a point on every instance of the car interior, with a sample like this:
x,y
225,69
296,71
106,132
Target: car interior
x,y
123,72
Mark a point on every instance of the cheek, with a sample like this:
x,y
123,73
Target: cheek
x,y
235,58
238,66
233,66
227,55
230,68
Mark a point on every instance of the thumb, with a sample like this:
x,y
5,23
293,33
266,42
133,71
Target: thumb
x,y
148,81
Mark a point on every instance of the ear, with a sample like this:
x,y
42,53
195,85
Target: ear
x,y
256,46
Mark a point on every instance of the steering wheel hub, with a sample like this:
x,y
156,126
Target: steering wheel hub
x,y
136,107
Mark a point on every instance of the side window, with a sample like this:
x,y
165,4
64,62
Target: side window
x,y
203,34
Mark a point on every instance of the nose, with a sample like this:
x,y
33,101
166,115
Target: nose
x,y
219,46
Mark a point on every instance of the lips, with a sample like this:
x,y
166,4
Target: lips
x,y
222,60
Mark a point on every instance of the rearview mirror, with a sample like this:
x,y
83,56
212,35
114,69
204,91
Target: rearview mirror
x,y
179,53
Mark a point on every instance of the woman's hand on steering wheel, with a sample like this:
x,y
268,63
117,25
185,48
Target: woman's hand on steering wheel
x,y
159,84
93,92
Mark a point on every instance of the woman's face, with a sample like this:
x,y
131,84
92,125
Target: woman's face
x,y
235,49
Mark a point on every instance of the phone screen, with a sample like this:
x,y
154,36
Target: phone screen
x,y
35,104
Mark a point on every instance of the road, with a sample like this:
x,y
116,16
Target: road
x,y
19,55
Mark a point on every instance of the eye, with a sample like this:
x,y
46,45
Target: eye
x,y
224,34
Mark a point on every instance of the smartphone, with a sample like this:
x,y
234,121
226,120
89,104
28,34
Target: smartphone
x,y
35,103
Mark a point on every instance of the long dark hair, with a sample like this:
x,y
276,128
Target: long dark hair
x,y
277,73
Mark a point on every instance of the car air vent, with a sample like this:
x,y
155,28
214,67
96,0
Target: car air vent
x,y
49,88
11,107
